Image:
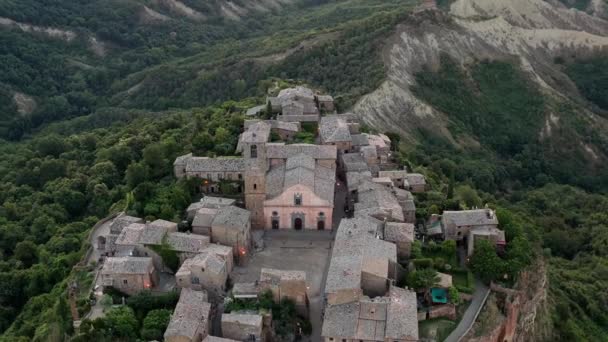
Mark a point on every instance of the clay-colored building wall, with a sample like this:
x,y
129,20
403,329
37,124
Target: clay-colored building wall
x,y
311,211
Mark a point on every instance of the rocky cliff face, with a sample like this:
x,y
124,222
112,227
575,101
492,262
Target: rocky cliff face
x,y
531,32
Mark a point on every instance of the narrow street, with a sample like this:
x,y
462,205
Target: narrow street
x,y
479,298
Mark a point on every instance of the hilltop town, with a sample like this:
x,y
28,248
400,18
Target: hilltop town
x,y
327,227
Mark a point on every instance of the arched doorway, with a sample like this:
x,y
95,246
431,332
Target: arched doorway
x,y
321,225
297,223
275,224
101,243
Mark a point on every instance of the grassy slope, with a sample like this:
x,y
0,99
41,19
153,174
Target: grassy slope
x,y
514,165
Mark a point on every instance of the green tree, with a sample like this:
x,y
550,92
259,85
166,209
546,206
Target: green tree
x,y
27,253
122,322
485,263
467,196
136,174
155,324
422,280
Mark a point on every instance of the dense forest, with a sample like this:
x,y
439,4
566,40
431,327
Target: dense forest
x,y
108,124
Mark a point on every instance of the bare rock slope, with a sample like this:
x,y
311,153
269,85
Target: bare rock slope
x,y
533,32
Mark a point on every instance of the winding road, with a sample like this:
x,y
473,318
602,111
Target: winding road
x,y
479,298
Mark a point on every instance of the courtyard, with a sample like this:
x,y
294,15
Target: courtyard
x,y
307,251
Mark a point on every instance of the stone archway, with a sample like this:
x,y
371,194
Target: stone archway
x,y
101,243
297,223
321,225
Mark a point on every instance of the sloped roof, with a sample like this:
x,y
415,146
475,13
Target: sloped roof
x,y
301,169
127,265
192,311
475,217
398,232
189,243
333,129
221,164
283,151
402,315
232,217
204,217
131,234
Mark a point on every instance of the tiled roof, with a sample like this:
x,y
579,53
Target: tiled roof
x,y
258,132
189,243
282,151
297,93
164,223
122,221
401,316
359,140
216,202
130,235
354,178
393,317
127,265
192,311
475,217
325,98
397,232
415,179
221,164
379,140
152,235
356,242
209,261
204,217
232,217
333,129
301,169
375,199
181,160
341,320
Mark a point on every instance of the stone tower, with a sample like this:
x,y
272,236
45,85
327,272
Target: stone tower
x,y
253,143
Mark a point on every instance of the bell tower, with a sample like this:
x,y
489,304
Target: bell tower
x,y
256,165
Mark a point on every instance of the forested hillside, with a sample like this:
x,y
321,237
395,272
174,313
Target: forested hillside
x,y
98,97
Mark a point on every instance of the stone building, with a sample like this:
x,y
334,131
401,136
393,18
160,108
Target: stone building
x,y
186,245
334,130
209,202
286,284
296,104
122,221
402,235
286,131
389,318
300,195
325,103
399,177
204,271
231,226
361,263
471,226
377,201
243,327
457,224
129,274
211,171
191,319
203,219
417,182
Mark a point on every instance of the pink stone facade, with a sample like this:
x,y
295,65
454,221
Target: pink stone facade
x,y
307,215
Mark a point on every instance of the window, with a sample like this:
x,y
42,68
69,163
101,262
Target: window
x,y
202,269
124,281
254,151
274,213
255,186
459,233
321,214
240,176
195,280
298,199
